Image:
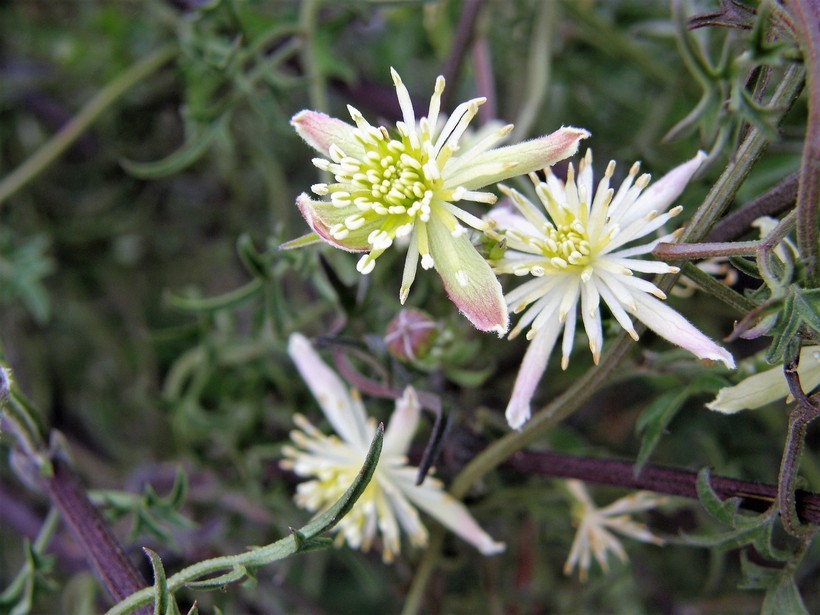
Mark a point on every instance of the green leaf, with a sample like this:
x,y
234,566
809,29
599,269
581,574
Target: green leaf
x,y
784,599
782,596
187,154
254,261
265,555
160,586
231,299
219,582
652,423
725,511
800,311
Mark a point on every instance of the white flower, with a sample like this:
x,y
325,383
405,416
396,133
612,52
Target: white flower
x,y
388,503
405,183
764,388
593,537
573,247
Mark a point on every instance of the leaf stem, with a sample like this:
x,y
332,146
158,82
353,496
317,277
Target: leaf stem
x,y
76,126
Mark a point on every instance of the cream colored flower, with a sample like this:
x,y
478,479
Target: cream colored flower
x,y
408,183
594,538
573,249
389,502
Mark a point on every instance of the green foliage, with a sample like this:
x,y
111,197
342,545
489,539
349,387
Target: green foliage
x,y
147,300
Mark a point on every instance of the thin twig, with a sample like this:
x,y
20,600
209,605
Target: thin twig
x,y
71,131
774,202
660,479
807,20
101,548
461,43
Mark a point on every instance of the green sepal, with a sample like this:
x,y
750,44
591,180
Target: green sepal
x,y
301,242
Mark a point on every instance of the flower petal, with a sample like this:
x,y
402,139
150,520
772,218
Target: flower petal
x,y
468,279
766,387
673,327
452,514
320,131
402,425
530,372
322,216
660,194
496,165
344,412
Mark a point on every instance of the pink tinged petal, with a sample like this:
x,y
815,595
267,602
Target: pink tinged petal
x,y
468,279
402,425
496,165
321,216
453,515
344,412
529,374
673,327
660,195
320,131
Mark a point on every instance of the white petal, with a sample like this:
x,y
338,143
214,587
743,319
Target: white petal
x,y
673,327
453,515
345,413
660,195
529,374
402,425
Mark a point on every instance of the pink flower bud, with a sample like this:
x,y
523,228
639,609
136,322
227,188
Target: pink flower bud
x,y
411,334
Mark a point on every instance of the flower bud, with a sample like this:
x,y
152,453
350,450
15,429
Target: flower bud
x,y
411,334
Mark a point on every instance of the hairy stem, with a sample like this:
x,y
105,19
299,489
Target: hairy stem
x,y
774,202
806,410
101,548
807,21
75,127
672,481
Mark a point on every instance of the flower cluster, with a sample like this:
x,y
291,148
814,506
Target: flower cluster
x,y
574,250
594,538
409,183
332,462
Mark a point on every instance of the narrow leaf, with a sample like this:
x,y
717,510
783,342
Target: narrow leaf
x,y
160,583
191,151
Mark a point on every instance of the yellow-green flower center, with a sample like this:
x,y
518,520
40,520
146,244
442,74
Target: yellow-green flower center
x,y
392,185
566,245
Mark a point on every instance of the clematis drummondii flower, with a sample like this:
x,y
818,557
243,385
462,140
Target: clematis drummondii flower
x,y
408,183
388,503
594,538
573,247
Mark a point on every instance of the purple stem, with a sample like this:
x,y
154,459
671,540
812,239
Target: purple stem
x,y
672,481
101,548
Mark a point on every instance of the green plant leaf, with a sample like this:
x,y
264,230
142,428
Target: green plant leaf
x,y
160,586
187,154
262,556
